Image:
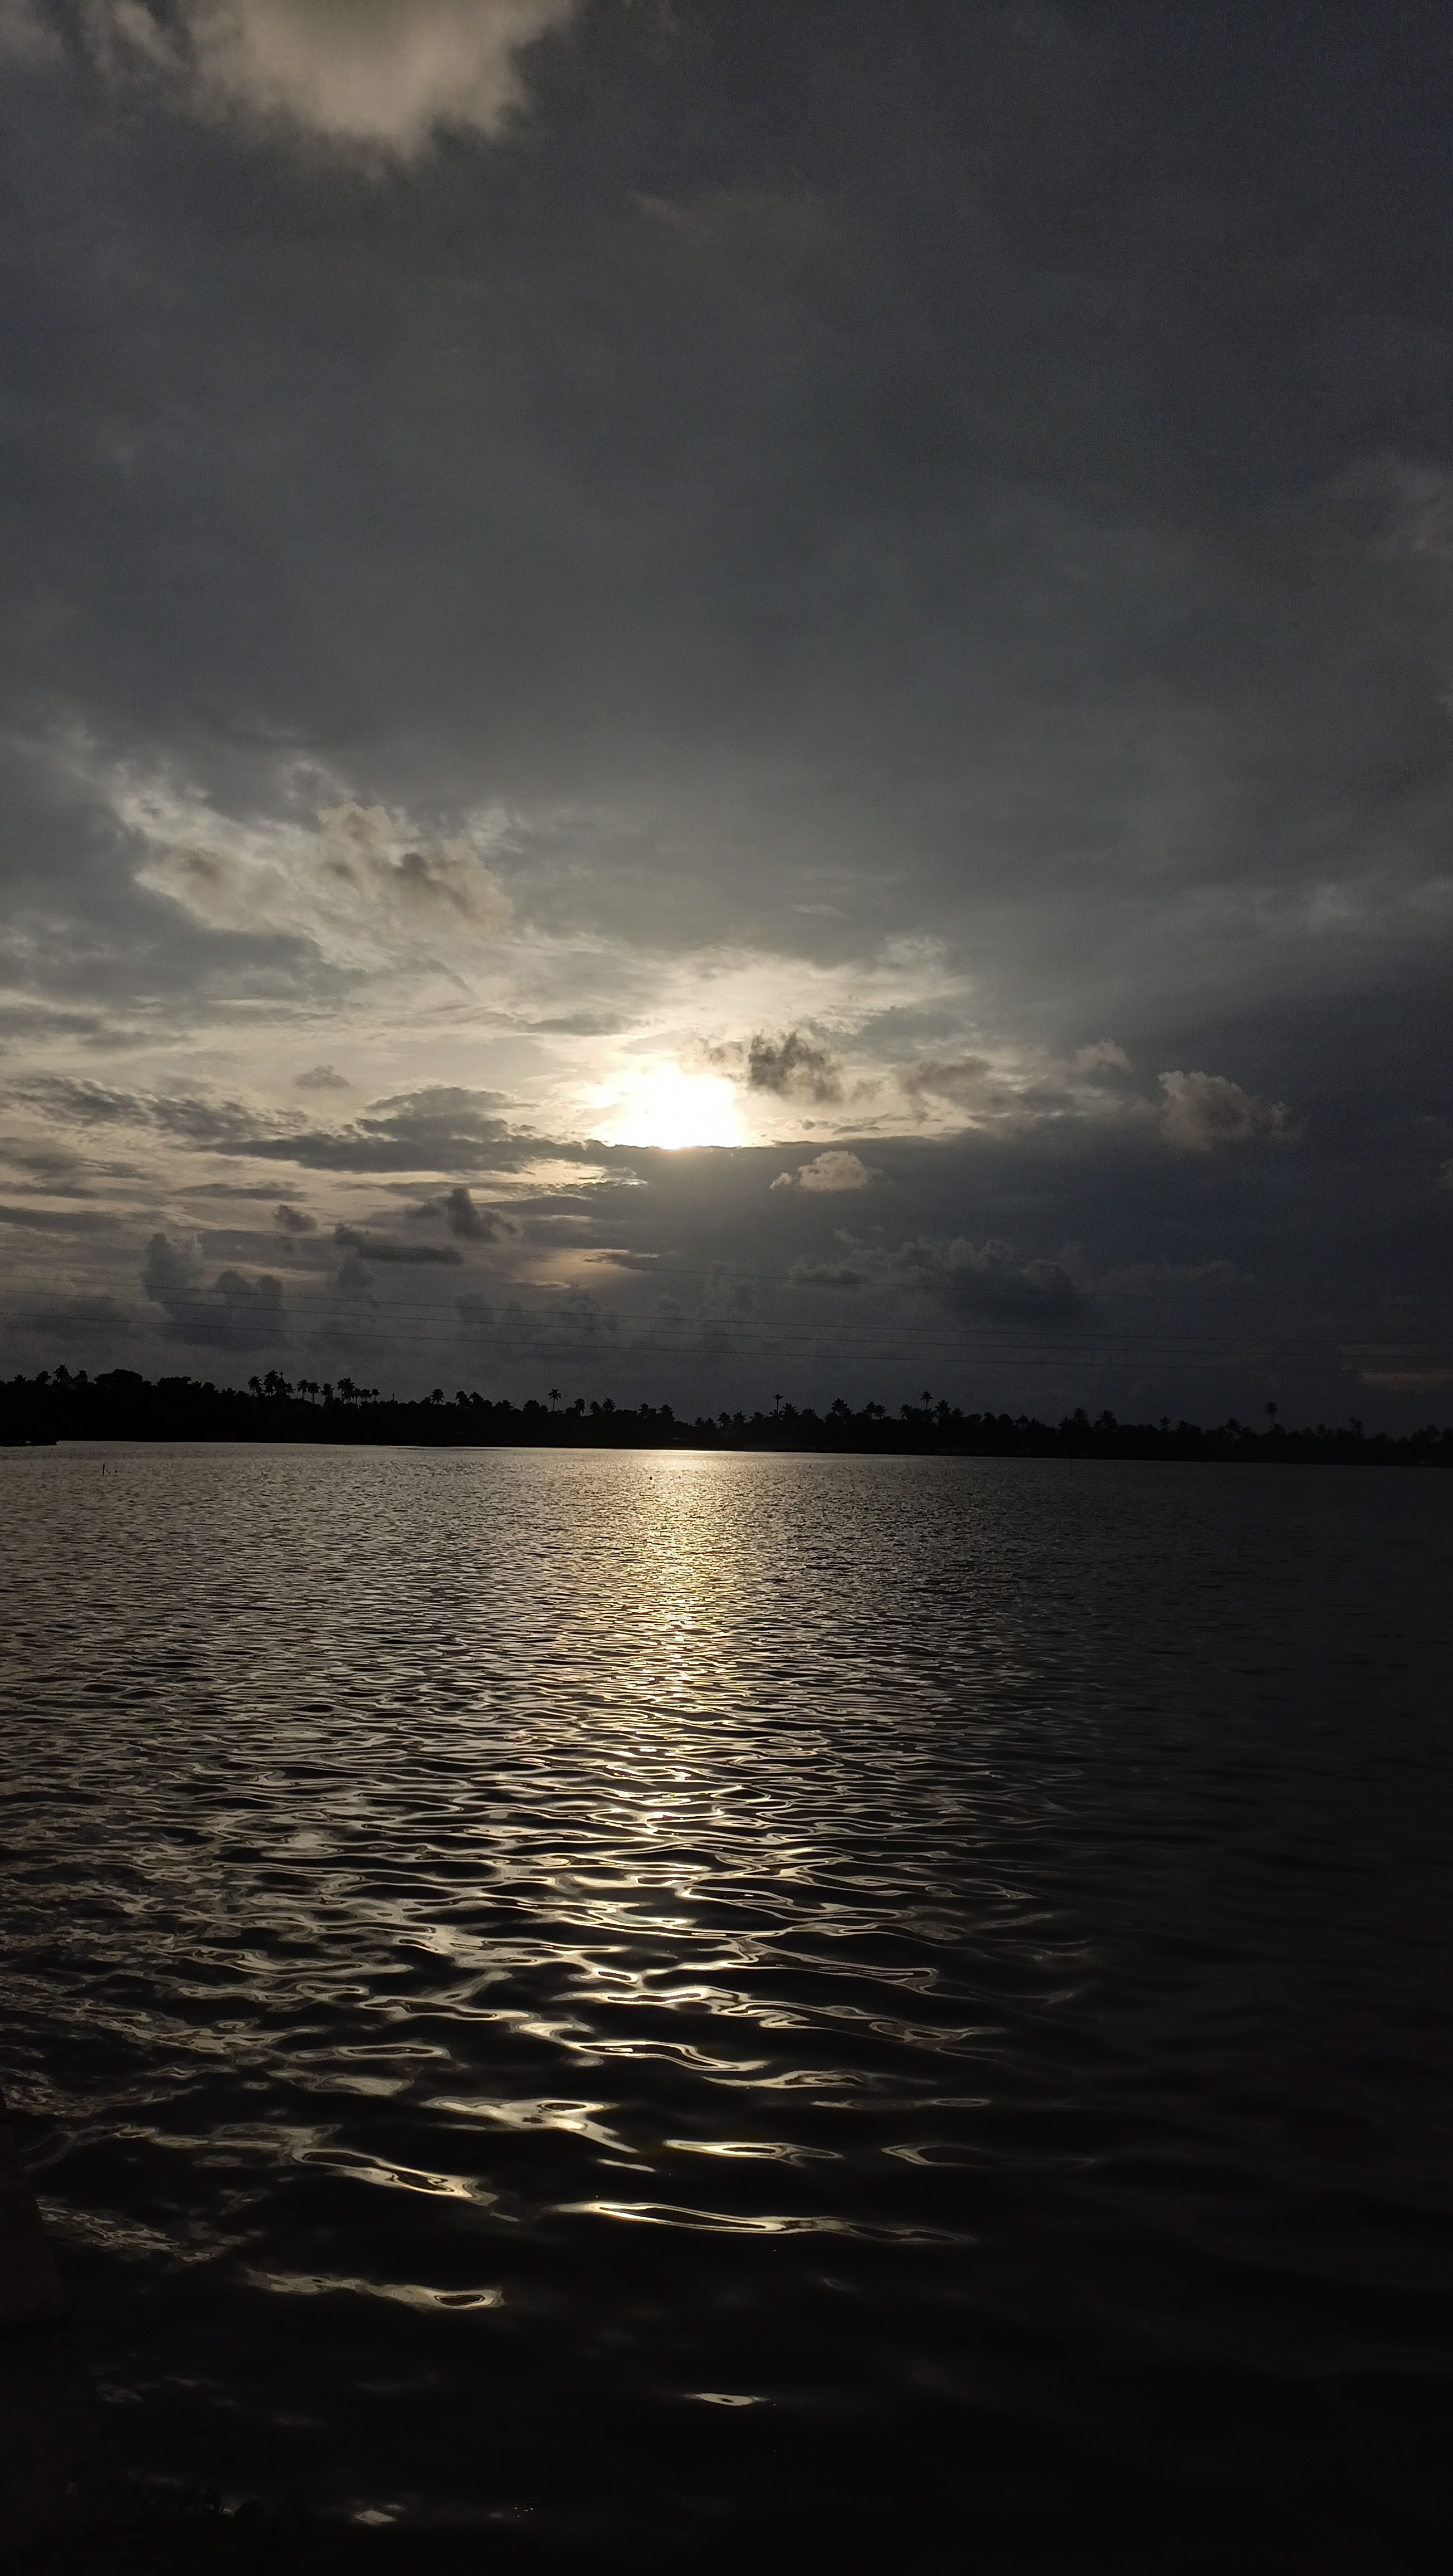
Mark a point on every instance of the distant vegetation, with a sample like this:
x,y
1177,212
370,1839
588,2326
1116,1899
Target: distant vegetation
x,y
57,1405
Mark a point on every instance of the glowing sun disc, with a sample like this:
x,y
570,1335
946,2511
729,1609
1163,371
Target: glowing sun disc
x,y
672,1111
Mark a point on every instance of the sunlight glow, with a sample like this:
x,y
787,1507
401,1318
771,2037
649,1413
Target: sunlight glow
x,y
672,1110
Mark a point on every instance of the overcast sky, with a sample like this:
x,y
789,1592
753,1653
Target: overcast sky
x,y
708,698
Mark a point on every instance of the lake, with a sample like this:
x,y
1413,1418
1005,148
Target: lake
x,y
661,1999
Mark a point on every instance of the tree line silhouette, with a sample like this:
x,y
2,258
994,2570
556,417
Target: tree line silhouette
x,y
60,1404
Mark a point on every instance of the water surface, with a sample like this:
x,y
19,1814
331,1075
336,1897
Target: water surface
x,y
666,1996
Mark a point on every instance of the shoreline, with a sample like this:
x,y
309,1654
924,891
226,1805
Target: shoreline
x,y
45,1411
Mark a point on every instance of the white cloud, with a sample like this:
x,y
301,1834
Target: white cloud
x,y
1205,1109
378,76
833,1170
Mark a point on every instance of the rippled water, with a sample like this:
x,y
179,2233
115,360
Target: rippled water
x,y
656,1994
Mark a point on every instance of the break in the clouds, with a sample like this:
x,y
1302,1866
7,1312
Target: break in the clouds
x,y
729,697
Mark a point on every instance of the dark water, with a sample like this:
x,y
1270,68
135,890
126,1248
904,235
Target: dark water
x,y
671,1997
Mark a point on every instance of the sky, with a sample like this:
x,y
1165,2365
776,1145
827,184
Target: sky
x,y
718,700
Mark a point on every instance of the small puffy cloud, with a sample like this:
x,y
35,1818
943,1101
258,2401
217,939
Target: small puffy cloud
x,y
233,1314
373,76
1445,1176
383,1247
464,1218
293,1220
1103,1057
836,1169
1202,1110
320,1077
793,1068
472,1224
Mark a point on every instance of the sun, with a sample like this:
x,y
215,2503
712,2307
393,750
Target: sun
x,y
672,1111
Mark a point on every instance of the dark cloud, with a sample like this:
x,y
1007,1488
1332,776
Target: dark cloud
x,y
213,1126
77,1321
1173,1279
383,1247
293,1220
441,1127
806,1273
55,1220
967,1278
472,1224
793,1068
320,1077
464,1217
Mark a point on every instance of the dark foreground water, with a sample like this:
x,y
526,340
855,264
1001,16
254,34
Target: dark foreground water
x,y
668,1997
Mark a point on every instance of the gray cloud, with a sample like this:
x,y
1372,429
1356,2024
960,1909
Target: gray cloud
x,y
1202,1110
293,1220
805,1273
1103,1056
575,1328
966,1080
959,1275
234,1313
320,1077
